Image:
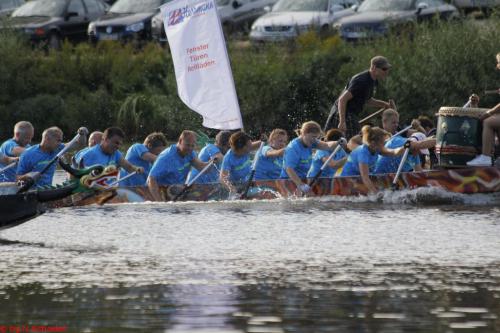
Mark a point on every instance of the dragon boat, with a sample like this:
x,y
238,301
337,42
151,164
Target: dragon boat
x,y
17,208
464,180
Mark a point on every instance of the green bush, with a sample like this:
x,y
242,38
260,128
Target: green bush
x,y
277,85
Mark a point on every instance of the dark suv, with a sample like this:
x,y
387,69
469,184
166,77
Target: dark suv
x,y
52,21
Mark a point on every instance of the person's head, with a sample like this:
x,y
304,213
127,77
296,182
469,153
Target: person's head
x,y
241,143
426,123
51,139
112,140
390,120
222,141
374,137
354,142
23,133
186,143
379,67
310,132
498,61
278,138
155,142
333,134
95,138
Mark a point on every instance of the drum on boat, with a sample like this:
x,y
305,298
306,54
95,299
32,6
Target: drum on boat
x,y
458,135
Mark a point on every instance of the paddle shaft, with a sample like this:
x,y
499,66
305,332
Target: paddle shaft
x,y
371,116
252,172
403,130
492,92
188,185
400,167
13,164
120,180
323,167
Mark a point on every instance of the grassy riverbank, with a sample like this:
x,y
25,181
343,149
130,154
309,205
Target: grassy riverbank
x,y
278,86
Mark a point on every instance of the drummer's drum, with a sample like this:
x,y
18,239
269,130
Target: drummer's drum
x,y
458,136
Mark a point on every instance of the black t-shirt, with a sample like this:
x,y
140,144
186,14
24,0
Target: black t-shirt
x,y
361,86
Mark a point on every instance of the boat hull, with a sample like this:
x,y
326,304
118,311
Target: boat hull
x,y
19,208
466,181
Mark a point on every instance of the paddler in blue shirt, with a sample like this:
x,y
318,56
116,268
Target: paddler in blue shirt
x,y
236,164
35,158
389,164
320,157
14,147
107,153
210,151
362,160
298,154
143,155
95,138
271,156
173,164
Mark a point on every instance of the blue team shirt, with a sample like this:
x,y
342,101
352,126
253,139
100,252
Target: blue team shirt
x,y
6,150
205,155
170,167
134,156
238,166
297,156
359,155
94,155
34,159
387,164
317,163
78,156
268,167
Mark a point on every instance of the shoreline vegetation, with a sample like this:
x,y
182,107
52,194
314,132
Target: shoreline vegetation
x,y
278,86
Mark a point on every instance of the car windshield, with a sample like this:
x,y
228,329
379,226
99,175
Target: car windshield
x,y
301,6
384,5
41,8
221,3
136,6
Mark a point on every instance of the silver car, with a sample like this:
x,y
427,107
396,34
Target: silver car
x,y
289,18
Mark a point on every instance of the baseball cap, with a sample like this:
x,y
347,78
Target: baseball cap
x,y
380,62
419,136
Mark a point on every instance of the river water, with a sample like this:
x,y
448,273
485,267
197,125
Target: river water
x,y
413,261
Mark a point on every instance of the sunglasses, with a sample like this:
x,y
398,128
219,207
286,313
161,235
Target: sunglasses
x,y
385,69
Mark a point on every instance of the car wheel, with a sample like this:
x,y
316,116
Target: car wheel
x,y
54,41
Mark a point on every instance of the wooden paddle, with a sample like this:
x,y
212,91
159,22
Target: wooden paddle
x,y
392,105
492,92
401,164
188,185
13,164
249,182
30,181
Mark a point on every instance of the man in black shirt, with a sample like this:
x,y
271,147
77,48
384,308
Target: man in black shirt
x,y
358,92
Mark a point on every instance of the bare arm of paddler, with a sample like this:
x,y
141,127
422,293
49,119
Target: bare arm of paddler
x,y
129,167
376,103
364,172
343,99
391,152
154,189
7,159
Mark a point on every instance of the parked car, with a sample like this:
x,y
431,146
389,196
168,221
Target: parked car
x,y
52,21
468,6
126,20
240,14
375,18
289,18
8,6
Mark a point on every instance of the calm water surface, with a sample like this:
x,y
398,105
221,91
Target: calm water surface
x,y
418,261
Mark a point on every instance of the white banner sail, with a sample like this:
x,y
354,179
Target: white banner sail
x,y
204,78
